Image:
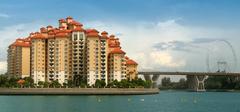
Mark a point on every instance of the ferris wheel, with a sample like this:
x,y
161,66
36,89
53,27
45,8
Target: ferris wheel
x,y
221,57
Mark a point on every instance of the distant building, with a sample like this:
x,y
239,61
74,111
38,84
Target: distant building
x,y
70,52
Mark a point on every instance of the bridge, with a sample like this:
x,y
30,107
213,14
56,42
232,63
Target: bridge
x,y
195,79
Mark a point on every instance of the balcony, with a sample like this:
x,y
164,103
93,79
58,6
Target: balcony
x,y
74,42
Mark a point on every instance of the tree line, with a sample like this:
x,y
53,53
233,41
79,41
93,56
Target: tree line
x,y
222,82
168,84
212,82
27,82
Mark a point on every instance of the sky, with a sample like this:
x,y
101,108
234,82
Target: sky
x,y
161,35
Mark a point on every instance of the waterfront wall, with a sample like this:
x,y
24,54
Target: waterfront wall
x,y
78,91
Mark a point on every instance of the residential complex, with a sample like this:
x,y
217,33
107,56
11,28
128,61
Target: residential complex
x,y
70,52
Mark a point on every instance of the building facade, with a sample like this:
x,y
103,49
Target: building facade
x,y
19,58
70,52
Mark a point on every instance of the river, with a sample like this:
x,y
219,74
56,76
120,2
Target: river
x,y
165,101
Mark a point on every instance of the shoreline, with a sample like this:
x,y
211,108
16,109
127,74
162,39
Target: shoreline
x,y
207,90
78,91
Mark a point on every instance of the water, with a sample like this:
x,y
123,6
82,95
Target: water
x,y
166,101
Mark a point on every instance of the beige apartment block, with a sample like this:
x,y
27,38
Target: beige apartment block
x,y
117,65
19,58
38,57
79,67
131,69
70,52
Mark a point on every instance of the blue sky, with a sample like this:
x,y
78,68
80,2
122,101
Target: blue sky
x,y
194,12
162,30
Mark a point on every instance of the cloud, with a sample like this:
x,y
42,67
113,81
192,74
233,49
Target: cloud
x,y
3,67
166,59
2,15
169,45
8,36
173,45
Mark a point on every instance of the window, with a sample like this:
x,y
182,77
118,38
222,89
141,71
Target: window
x,y
75,36
80,36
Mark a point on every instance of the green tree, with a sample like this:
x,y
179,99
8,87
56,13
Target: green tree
x,y
55,84
28,82
124,83
13,82
70,83
148,84
41,84
64,85
116,83
166,82
182,84
4,81
100,83
46,84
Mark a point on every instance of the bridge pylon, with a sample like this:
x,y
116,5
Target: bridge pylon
x,y
153,78
196,82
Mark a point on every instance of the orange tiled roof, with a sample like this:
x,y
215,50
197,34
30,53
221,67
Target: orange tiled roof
x,y
117,51
113,42
61,27
21,43
78,29
61,34
38,35
51,34
104,35
112,37
131,62
88,30
62,20
43,30
92,33
76,23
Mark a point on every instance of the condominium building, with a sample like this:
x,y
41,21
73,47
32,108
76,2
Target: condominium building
x,y
38,57
70,52
19,58
131,69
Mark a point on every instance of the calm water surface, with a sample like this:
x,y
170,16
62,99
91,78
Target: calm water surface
x,y
166,101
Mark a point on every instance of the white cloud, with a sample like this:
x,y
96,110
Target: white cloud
x,y
3,67
8,36
166,59
2,15
138,38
